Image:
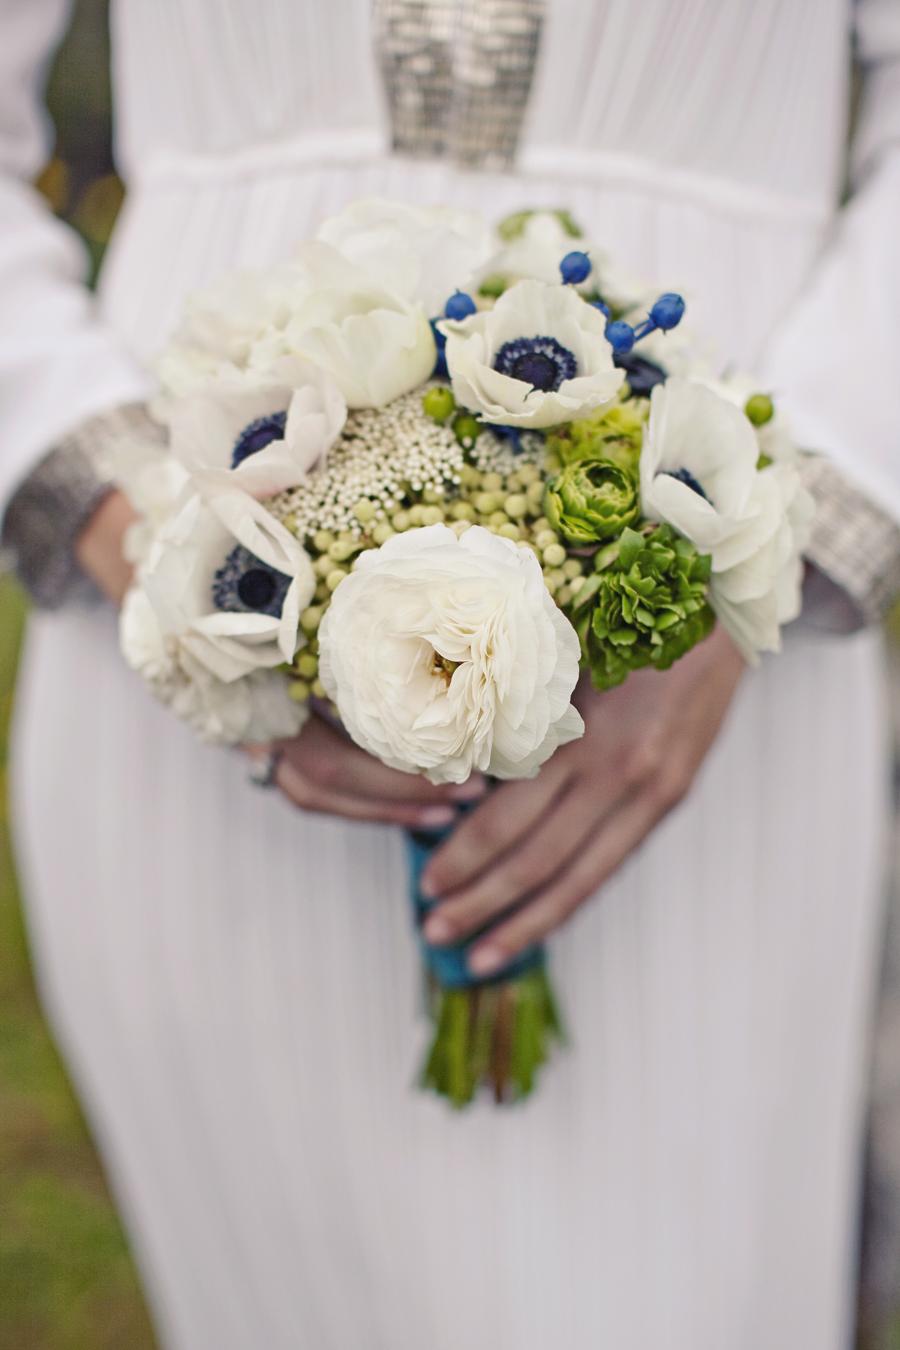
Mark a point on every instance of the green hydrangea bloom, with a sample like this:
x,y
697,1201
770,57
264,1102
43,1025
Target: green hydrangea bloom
x,y
591,500
616,433
645,604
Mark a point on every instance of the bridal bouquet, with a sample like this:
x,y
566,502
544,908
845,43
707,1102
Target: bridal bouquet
x,y
426,474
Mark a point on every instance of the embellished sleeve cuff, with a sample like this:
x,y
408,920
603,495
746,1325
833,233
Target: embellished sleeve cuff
x,y
48,509
855,545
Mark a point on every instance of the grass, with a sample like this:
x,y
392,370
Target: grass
x,y
66,1278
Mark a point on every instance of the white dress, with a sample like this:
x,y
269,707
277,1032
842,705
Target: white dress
x,y
234,983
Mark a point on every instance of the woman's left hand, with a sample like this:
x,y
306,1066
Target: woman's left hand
x,y
541,847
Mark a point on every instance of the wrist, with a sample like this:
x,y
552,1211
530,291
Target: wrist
x,y
99,545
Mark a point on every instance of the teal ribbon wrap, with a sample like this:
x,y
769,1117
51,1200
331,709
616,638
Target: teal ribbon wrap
x,y
449,964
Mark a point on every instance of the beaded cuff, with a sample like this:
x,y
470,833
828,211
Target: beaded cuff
x,y
854,543
48,509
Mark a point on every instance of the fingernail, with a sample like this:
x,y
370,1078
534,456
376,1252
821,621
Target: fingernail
x,y
471,790
437,815
437,929
485,960
428,888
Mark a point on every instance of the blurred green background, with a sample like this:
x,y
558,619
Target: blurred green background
x,y
67,1281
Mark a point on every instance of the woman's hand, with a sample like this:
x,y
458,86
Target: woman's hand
x,y
321,770
545,845
98,548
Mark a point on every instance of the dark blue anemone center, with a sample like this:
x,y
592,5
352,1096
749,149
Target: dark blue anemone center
x,y
685,476
246,585
541,362
642,375
257,435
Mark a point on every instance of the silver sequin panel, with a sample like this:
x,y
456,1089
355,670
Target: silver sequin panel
x,y
458,74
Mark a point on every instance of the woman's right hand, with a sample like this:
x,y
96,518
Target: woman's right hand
x,y
322,770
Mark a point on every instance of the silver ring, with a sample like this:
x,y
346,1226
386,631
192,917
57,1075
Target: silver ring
x,y
264,770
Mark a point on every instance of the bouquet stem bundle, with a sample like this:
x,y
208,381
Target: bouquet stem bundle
x,y
494,1033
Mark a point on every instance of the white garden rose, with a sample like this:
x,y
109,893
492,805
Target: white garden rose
x,y
260,433
256,707
538,358
446,655
227,583
757,577
698,463
422,253
375,343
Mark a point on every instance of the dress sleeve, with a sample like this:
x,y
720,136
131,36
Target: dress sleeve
x,y
60,366
835,365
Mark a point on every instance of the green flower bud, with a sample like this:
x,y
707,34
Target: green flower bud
x,y
416,513
433,515
401,521
493,286
516,506
323,539
760,409
463,511
486,503
554,555
364,510
544,538
591,500
299,690
311,618
319,689
498,518
466,429
509,531
341,550
438,403
383,532
492,482
335,577
307,666
323,565
646,605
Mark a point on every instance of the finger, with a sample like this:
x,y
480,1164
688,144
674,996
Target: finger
x,y
309,796
330,760
573,818
508,813
552,905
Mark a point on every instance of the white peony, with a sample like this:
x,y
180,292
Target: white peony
x,y
422,253
698,463
227,582
446,655
538,358
375,343
256,707
262,434
757,576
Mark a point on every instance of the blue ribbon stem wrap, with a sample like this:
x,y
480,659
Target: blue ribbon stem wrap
x,y
449,964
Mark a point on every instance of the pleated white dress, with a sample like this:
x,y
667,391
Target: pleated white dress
x,y
235,984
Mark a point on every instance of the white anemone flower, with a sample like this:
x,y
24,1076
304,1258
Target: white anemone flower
x,y
227,583
538,358
257,707
774,438
446,655
757,577
262,434
376,344
422,253
698,463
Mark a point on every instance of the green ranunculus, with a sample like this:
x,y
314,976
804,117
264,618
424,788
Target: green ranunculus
x,y
591,500
616,433
645,605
